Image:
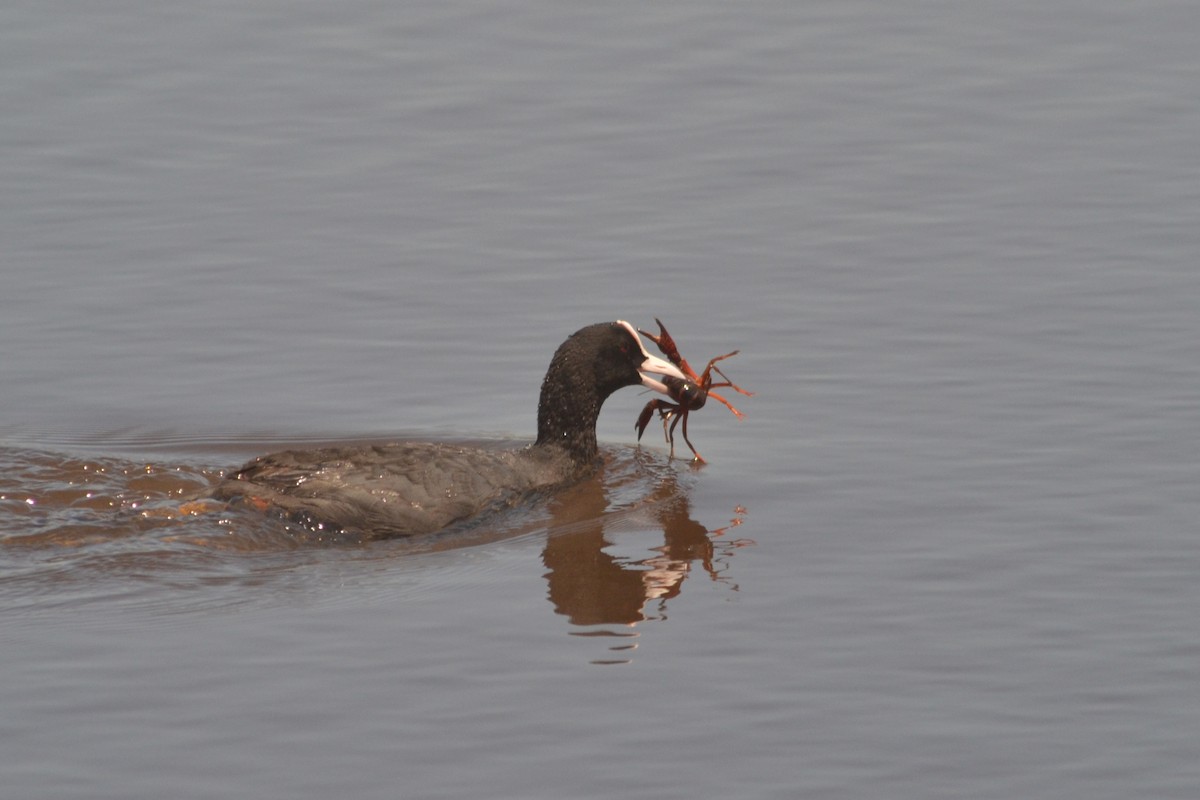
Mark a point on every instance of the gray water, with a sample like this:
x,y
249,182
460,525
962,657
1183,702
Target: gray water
x,y
950,552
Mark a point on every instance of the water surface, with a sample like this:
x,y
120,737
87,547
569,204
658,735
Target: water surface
x,y
949,553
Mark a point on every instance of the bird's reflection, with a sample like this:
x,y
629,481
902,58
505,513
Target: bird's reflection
x,y
591,586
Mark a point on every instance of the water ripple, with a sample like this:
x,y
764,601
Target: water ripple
x,y
78,530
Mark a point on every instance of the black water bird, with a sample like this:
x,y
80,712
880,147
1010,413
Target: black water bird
x,y
408,488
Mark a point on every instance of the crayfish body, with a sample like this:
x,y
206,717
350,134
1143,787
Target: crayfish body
x,y
687,395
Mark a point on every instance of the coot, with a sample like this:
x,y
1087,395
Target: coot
x,y
411,488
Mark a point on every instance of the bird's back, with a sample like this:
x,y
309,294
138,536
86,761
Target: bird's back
x,y
393,489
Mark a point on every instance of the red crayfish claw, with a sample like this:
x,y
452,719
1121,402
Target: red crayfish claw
x,y
687,395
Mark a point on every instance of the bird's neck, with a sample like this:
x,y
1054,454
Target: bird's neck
x,y
567,413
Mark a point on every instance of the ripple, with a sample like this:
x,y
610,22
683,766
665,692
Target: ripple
x,y
79,530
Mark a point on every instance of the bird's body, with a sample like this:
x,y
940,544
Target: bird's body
x,y
402,488
412,488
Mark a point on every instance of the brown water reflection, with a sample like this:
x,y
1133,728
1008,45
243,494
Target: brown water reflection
x,y
83,530
592,586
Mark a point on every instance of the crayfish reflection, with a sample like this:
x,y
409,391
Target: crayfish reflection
x,y
597,588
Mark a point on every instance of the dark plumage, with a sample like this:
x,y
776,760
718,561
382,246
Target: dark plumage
x,y
410,488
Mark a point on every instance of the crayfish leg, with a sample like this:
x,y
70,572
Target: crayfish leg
x,y
675,416
720,358
688,441
730,383
727,404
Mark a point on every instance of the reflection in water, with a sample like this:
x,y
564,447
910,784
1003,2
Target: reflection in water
x,y
592,586
84,530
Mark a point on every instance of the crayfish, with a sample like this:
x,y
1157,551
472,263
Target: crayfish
x,y
688,395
